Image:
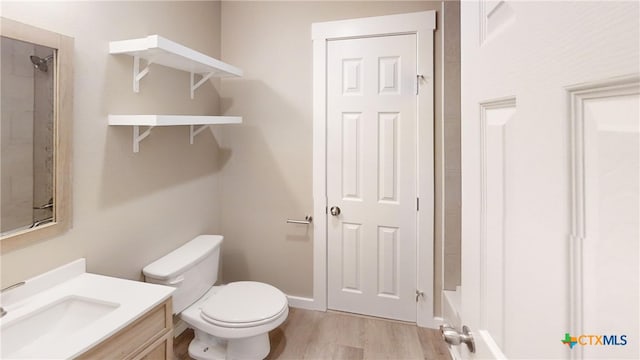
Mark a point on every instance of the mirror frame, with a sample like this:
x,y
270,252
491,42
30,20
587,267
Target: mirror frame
x,y
62,130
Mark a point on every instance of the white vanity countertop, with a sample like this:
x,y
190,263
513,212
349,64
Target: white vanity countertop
x,y
129,299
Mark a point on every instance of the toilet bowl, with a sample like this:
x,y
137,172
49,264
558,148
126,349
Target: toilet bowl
x,y
230,321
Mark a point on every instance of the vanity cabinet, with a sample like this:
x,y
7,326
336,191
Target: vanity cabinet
x,y
149,337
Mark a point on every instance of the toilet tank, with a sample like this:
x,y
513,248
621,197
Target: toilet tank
x,y
192,269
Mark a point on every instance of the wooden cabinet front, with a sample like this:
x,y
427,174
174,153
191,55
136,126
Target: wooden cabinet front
x,y
149,337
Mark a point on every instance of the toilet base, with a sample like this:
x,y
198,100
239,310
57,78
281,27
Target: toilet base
x,y
208,347
203,350
255,347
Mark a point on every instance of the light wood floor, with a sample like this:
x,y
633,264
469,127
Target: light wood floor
x,y
318,335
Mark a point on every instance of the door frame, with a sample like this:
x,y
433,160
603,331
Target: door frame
x,y
422,24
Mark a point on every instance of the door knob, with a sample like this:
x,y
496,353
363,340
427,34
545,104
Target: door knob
x,y
335,211
451,336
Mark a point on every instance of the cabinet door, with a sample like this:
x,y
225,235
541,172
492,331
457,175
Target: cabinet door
x,y
132,342
162,350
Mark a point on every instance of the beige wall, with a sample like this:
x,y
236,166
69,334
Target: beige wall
x,y
268,177
128,208
451,147
132,208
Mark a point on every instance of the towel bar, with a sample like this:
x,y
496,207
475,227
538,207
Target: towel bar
x,y
307,220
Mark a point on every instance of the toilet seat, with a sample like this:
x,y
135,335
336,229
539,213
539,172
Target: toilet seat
x,y
244,304
232,325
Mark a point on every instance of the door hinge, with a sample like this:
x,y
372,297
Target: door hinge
x,y
417,204
418,78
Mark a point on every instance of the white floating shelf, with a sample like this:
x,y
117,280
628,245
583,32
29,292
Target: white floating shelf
x,y
169,120
158,50
172,120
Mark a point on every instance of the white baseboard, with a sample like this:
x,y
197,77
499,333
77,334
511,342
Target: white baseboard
x,y
430,323
302,302
455,354
451,308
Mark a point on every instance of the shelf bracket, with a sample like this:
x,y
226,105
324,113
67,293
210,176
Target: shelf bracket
x,y
193,132
199,83
138,137
137,74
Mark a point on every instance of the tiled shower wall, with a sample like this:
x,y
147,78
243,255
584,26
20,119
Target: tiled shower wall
x,y
27,119
16,135
43,136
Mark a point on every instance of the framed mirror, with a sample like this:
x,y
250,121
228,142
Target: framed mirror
x,y
36,109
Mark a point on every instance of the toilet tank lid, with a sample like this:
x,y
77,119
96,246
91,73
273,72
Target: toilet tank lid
x,y
183,258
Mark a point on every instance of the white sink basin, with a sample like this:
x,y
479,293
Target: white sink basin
x,y
31,335
65,312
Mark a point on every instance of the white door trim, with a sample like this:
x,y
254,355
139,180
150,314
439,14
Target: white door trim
x,y
422,24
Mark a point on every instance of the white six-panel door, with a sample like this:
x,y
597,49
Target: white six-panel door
x,y
371,175
550,177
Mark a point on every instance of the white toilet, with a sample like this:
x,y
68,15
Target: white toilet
x,y
230,321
